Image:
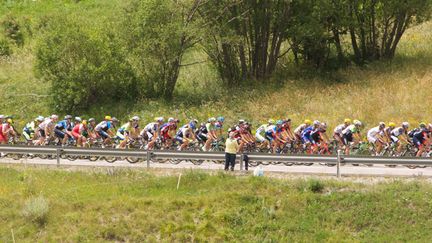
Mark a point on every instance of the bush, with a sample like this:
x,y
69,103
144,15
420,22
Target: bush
x,y
315,186
12,30
5,49
36,210
84,65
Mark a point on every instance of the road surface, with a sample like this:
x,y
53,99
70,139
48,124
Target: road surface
x,y
362,170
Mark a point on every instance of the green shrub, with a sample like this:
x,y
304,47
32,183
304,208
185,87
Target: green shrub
x,y
12,30
315,186
36,210
5,49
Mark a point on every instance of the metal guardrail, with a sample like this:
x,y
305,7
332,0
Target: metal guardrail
x,y
148,156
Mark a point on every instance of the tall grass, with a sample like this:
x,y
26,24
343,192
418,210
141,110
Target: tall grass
x,y
134,206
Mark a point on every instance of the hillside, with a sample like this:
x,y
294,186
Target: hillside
x,y
47,205
381,91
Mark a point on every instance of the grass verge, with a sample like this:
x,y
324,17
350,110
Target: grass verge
x,y
139,206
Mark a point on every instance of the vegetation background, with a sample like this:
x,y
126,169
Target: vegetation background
x,y
393,89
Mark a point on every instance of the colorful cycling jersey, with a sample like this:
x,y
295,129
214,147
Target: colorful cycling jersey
x,y
273,131
262,129
350,130
306,134
47,123
375,132
79,128
64,125
316,135
218,125
286,127
5,127
103,126
338,130
30,127
398,131
152,127
184,131
300,129
420,136
210,127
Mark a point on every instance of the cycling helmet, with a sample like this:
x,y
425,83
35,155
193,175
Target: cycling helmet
x,y
212,119
405,124
161,119
324,125
40,119
221,119
192,125
54,117
2,117
316,123
279,122
422,125
108,118
114,119
91,120
68,117
308,122
357,123
347,120
78,119
135,118
170,119
271,121
382,124
84,122
9,120
392,124
241,121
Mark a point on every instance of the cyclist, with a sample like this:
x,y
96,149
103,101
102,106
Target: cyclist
x,y
261,133
128,132
243,133
298,131
105,129
2,117
63,128
31,129
46,129
387,132
421,139
399,136
351,135
306,135
6,130
211,133
319,138
79,131
91,134
201,133
152,131
337,132
168,131
219,126
186,134
287,133
273,135
376,137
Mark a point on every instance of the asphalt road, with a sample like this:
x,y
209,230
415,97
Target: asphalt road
x,y
362,170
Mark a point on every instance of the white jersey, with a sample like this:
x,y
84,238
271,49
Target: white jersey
x,y
270,128
374,132
397,131
44,124
300,129
152,127
262,129
339,129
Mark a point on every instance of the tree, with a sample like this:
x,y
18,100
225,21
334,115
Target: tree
x,y
156,34
244,38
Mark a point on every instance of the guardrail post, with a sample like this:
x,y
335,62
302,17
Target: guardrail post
x,y
241,161
338,163
148,159
58,152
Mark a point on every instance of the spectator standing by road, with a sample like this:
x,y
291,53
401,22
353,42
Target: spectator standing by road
x,y
231,149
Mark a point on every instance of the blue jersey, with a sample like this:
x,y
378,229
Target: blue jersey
x,y
62,125
306,134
